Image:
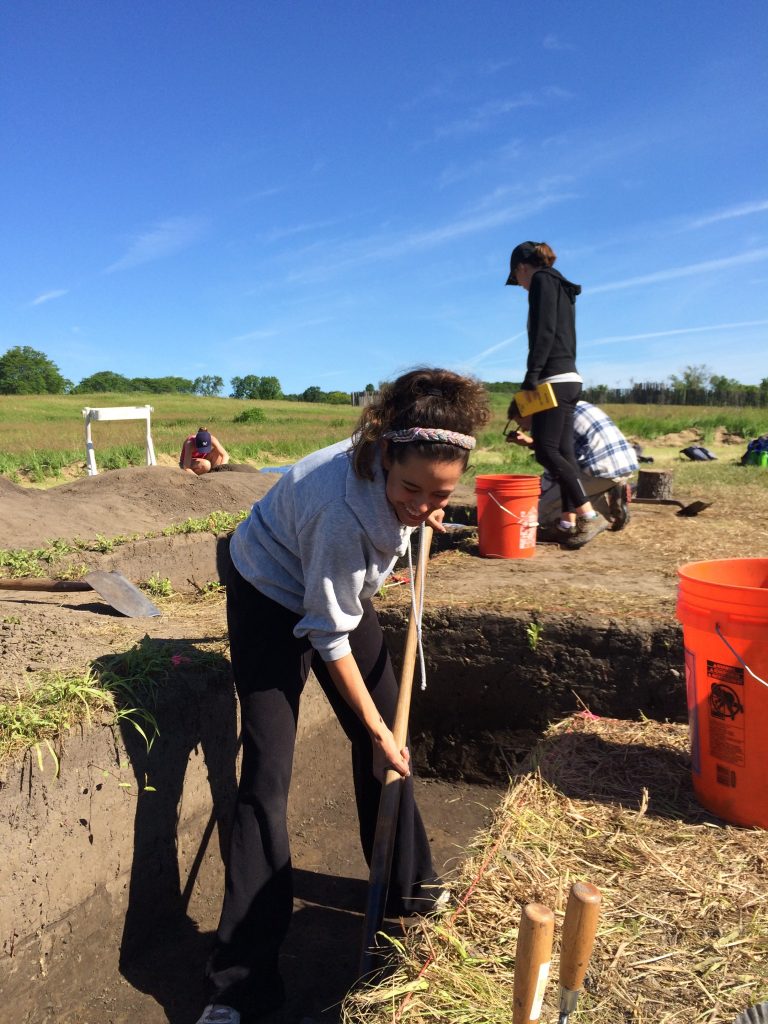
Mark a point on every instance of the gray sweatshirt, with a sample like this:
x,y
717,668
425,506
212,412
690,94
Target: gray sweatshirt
x,y
319,542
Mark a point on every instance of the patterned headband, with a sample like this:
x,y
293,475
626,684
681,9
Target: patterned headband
x,y
431,434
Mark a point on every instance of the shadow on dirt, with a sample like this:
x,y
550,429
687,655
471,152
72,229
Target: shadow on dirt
x,y
162,952
165,942
634,775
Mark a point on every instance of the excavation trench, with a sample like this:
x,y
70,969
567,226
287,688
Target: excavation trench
x,y
111,879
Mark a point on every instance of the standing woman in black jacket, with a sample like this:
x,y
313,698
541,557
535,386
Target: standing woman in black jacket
x,y
552,359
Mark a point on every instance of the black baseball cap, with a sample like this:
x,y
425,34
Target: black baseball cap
x,y
520,254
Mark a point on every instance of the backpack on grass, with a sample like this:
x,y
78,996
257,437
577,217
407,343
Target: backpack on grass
x,y
698,453
757,452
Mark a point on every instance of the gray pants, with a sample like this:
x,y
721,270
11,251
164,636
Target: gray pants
x,y
550,506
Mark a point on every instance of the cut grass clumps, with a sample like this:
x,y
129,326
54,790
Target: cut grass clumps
x,y
682,934
121,687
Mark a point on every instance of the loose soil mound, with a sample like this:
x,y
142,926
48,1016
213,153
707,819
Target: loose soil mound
x,y
122,502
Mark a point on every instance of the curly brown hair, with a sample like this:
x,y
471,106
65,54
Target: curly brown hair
x,y
424,397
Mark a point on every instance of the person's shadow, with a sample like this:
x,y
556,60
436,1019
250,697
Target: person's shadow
x,y
187,707
183,700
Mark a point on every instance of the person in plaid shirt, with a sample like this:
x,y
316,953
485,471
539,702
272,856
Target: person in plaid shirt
x,y
606,460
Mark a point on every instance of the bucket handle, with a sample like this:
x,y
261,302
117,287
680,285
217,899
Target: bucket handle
x,y
523,520
737,656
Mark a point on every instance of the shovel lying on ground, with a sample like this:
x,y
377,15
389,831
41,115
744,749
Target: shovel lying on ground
x,y
685,510
114,588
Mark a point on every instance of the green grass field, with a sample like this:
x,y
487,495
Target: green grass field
x,y
44,434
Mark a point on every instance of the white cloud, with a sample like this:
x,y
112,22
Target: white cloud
x,y
167,237
729,213
382,248
56,293
553,42
482,356
672,273
482,117
297,229
614,338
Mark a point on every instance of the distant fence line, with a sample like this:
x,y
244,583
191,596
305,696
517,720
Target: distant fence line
x,y
363,397
660,394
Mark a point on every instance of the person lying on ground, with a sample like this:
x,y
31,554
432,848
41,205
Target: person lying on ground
x,y
304,567
606,462
202,452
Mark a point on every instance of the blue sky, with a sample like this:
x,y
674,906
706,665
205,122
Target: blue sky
x,y
328,191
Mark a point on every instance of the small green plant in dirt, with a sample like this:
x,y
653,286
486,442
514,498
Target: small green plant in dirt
x,y
104,544
214,522
533,631
254,415
76,571
158,586
20,563
211,589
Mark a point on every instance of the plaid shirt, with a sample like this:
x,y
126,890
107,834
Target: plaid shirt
x,y
601,448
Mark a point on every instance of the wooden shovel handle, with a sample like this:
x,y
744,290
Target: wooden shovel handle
x,y
403,707
40,583
532,959
579,930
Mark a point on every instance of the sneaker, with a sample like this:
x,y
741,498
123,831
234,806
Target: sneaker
x,y
584,523
214,1013
590,531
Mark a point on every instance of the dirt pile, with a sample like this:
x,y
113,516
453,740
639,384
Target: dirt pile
x,y
136,499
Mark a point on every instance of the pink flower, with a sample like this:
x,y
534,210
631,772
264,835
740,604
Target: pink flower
x,y
180,659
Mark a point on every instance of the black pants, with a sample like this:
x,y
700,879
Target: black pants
x,y
271,667
552,432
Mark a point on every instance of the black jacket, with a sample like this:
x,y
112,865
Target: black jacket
x,y
551,326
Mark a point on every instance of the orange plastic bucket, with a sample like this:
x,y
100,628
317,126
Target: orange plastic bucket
x,y
723,606
507,515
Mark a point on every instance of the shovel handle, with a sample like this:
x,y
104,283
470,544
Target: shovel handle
x,y
389,801
579,930
403,707
532,959
50,586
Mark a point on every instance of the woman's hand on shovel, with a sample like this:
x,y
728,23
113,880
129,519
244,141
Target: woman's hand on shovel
x,y
435,520
386,755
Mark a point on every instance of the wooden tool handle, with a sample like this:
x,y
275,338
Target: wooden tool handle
x,y
50,586
532,959
403,709
579,929
389,801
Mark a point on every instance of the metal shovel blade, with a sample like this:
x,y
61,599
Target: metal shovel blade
x,y
694,508
121,594
754,1015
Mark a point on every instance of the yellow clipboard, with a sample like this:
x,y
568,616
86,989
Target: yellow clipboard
x,y
531,402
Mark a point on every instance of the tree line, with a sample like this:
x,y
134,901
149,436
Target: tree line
x,y
25,371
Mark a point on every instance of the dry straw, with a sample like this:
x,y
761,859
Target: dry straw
x,y
683,935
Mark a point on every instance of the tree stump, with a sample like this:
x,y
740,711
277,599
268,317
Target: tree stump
x,y
654,484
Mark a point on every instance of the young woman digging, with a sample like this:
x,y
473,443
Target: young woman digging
x,y
305,566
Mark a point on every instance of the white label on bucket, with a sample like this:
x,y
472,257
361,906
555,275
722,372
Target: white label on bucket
x,y
528,524
538,996
726,712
